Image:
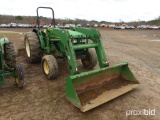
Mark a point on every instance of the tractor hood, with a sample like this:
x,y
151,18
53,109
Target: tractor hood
x,y
76,34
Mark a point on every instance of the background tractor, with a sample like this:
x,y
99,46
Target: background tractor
x,y
8,66
85,90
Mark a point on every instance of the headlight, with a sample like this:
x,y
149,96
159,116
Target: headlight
x,y
74,41
44,30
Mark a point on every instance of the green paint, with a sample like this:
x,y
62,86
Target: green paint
x,y
61,42
68,43
85,78
4,70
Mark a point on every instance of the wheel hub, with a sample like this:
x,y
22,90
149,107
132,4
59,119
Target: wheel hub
x,y
16,78
86,61
28,48
46,67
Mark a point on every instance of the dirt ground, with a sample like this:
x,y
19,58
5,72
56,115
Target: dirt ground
x,y
42,99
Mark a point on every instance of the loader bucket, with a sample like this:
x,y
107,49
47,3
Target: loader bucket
x,y
88,90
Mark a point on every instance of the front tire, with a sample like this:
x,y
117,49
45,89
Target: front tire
x,y
50,66
90,61
33,47
19,78
9,55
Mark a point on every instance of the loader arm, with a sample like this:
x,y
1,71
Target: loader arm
x,y
95,36
65,39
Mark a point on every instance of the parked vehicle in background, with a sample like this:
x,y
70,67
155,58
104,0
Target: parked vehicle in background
x,y
111,25
122,27
72,25
95,25
142,27
61,26
119,27
66,26
8,25
148,27
129,27
19,26
88,25
45,26
102,25
3,25
79,25
154,27
13,25
132,27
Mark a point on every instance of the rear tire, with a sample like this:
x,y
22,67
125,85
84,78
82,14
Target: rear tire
x,y
19,78
33,47
90,61
9,55
50,66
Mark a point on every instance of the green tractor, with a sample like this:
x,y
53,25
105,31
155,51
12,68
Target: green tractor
x,y
85,90
8,66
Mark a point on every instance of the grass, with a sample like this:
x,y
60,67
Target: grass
x,y
13,37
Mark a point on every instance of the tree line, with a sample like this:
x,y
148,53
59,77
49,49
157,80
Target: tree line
x,y
5,19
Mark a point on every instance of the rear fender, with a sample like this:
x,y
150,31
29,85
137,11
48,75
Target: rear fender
x,y
3,41
40,36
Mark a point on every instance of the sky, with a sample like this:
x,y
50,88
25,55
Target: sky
x,y
99,10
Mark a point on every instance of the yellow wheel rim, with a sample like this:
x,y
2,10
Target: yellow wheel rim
x,y
46,67
86,61
28,48
17,81
16,78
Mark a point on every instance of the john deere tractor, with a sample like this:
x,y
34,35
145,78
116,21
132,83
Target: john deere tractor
x,y
85,90
8,66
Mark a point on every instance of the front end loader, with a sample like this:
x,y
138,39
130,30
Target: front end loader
x,y
8,66
85,90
